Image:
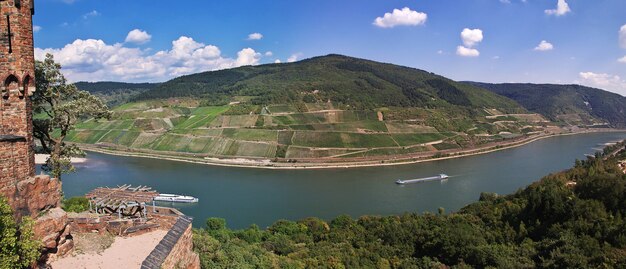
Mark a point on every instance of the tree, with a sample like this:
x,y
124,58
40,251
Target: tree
x,y
18,249
61,106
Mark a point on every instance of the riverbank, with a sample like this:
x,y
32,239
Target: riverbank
x,y
393,160
42,158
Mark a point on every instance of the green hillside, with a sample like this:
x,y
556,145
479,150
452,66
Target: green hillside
x,y
572,104
353,82
115,93
332,108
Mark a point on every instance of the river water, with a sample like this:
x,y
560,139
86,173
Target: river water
x,y
244,196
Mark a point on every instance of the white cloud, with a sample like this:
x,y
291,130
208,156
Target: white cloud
x,y
94,60
467,52
622,60
294,57
471,37
247,56
603,81
277,61
405,16
269,54
622,36
93,13
562,8
255,36
36,28
544,46
138,36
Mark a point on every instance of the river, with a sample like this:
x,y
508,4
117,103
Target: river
x,y
244,196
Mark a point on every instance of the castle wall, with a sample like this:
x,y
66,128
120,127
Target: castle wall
x,y
32,196
17,69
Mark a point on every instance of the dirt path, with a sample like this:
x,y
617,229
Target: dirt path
x,y
125,253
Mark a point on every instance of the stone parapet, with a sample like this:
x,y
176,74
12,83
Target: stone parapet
x,y
175,250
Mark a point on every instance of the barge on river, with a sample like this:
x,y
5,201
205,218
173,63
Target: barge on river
x,y
420,180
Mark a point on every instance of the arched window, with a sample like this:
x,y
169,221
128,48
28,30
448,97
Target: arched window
x,y
11,83
25,86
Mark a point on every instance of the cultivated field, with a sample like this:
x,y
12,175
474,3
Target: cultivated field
x,y
306,131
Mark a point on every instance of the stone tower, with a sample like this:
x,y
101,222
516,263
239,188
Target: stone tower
x,y
37,197
17,71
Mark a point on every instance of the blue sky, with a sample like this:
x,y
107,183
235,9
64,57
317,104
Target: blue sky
x,y
156,40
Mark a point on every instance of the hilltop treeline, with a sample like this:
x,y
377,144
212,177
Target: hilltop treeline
x,y
572,219
106,86
353,82
115,93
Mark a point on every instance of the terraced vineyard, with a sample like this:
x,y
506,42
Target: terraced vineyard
x,y
290,132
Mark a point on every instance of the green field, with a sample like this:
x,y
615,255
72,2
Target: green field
x,y
251,134
201,117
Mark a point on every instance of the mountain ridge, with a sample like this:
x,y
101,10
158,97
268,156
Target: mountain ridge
x,y
351,81
570,103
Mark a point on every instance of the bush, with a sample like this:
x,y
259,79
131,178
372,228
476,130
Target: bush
x,y
76,204
18,249
215,224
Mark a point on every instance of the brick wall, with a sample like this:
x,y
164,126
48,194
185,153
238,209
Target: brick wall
x,y
17,70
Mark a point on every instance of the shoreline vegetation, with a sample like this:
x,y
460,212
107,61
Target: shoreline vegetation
x,y
392,160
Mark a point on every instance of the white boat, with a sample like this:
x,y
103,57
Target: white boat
x,y
439,177
175,198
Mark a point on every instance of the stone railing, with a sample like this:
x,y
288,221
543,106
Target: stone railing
x,y
175,249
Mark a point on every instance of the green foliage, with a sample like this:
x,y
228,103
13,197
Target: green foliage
x,y
64,106
550,224
18,249
76,204
215,224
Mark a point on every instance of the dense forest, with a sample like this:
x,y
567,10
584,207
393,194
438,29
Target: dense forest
x,y
356,83
557,101
106,86
572,219
115,93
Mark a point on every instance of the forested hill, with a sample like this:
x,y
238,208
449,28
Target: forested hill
x,y
563,102
344,80
106,86
115,93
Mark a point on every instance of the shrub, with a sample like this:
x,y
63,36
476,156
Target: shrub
x,y
76,204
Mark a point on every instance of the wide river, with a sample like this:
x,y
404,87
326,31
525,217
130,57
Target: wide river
x,y
244,196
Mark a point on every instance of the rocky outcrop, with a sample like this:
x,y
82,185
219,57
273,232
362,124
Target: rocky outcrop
x,y
53,230
41,193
